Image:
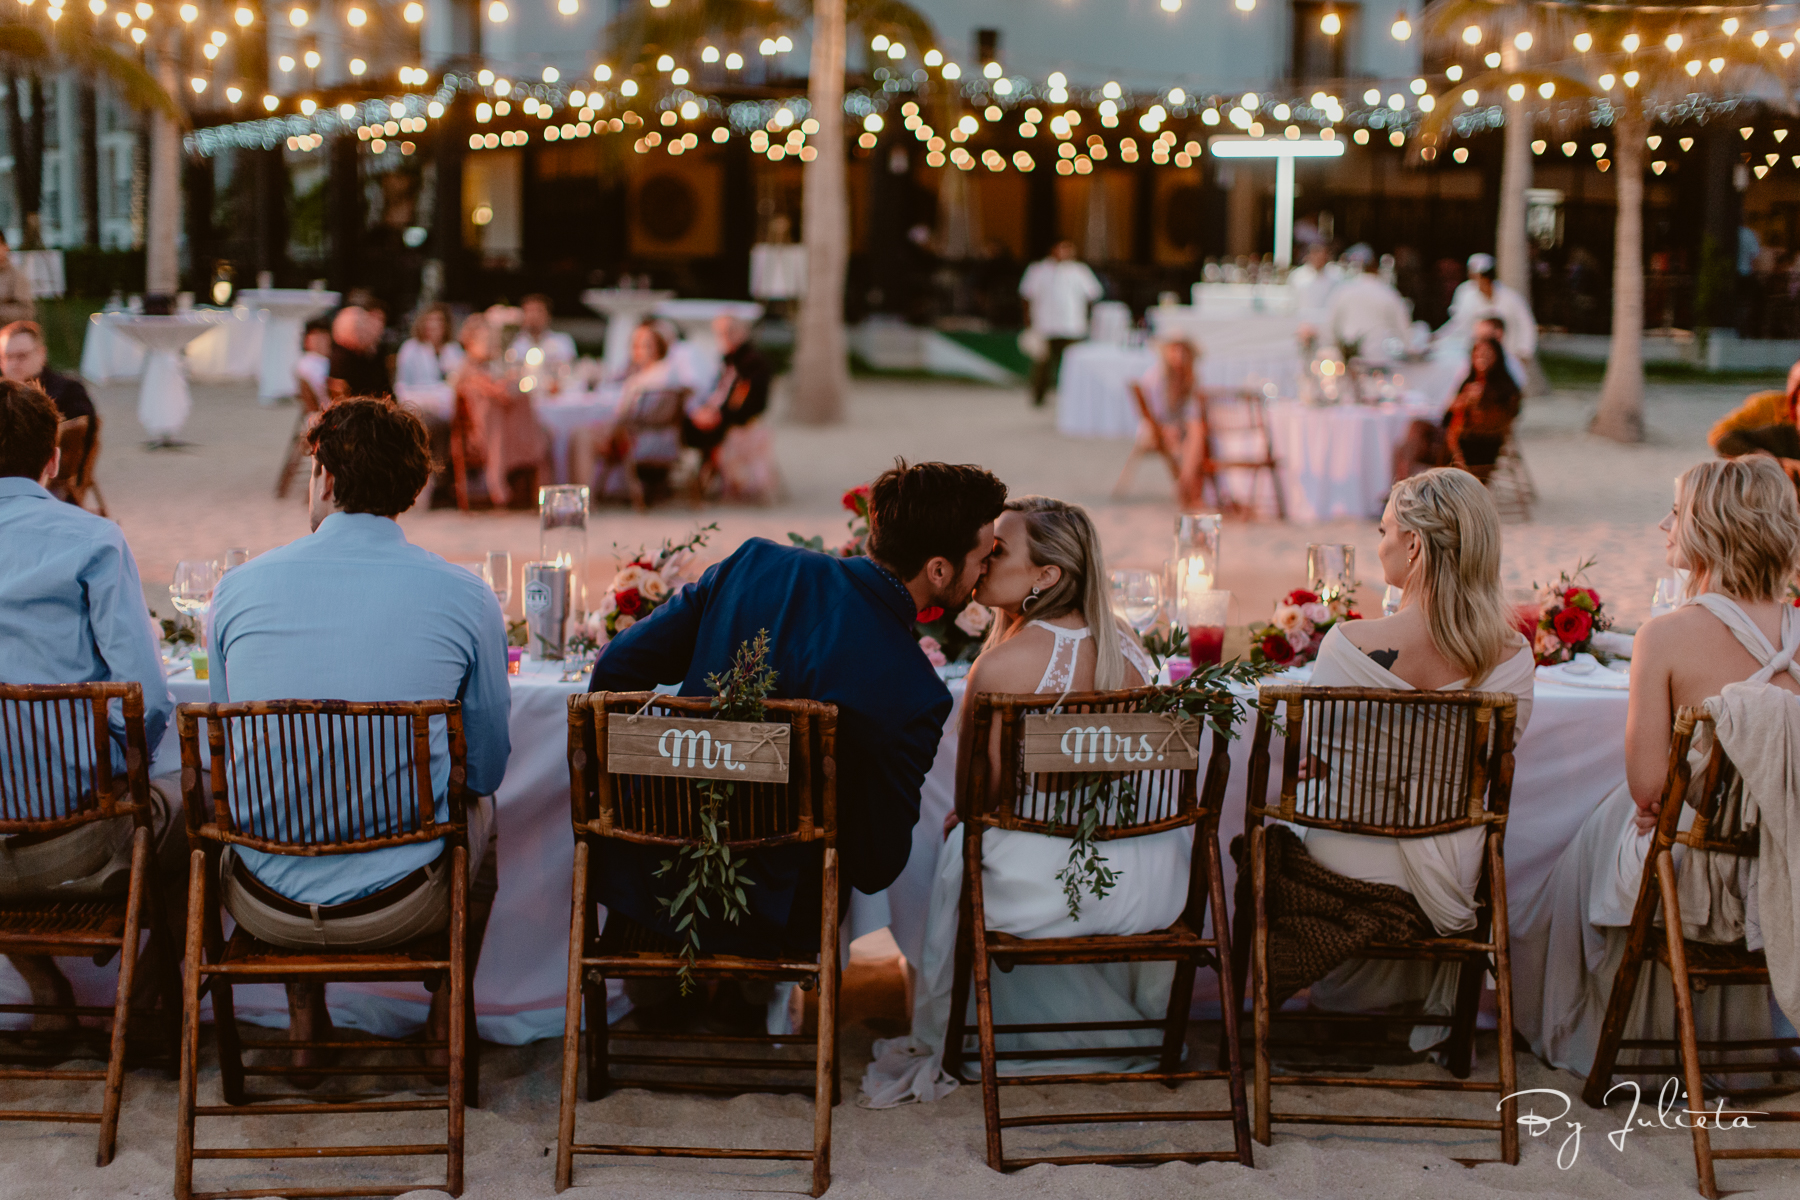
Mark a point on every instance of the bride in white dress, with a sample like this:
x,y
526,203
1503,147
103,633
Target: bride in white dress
x,y
1440,544
1735,528
1054,632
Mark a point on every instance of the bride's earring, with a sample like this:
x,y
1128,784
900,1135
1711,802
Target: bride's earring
x,y
1030,600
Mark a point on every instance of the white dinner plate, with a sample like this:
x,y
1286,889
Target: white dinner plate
x,y
1603,679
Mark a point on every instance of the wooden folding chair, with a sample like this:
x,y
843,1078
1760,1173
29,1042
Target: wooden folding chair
x,y
56,775
1508,479
649,435
79,441
1254,427
297,451
1718,828
1150,440
663,811
1423,763
309,778
1014,799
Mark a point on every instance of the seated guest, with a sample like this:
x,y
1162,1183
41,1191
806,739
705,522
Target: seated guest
x,y
1735,529
1475,426
503,427
651,370
741,394
356,365
428,356
24,358
1171,392
71,611
1763,424
1054,631
1440,544
840,632
558,349
356,612
314,363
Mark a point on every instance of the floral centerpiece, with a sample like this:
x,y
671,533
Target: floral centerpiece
x,y
639,588
1568,615
1299,624
945,637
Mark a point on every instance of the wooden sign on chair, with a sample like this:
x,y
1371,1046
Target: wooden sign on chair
x,y
747,751
1062,743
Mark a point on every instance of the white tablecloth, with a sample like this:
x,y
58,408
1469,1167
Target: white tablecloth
x,y
562,415
1338,460
232,351
1093,396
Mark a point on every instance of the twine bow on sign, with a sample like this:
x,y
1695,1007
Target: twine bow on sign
x,y
1177,731
769,737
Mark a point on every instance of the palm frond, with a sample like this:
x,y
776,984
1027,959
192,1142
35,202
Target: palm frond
x,y
79,48
684,24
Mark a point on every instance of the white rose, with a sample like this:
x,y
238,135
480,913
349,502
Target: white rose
x,y
654,589
632,577
1287,618
624,623
974,619
1318,614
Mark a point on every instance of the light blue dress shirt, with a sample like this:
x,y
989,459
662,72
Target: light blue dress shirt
x,y
72,609
354,611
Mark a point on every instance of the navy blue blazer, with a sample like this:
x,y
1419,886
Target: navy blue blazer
x,y
840,632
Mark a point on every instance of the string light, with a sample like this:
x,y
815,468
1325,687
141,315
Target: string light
x,y
1631,42
271,103
1760,38
138,35
1401,28
234,93
243,16
312,59
198,84
357,17
1673,42
1453,72
285,62
1584,42
1546,89
1606,83
1729,25
1523,41
188,13
297,17
497,12
1331,24
1472,35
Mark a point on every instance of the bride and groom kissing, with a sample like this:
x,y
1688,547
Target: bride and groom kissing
x,y
841,632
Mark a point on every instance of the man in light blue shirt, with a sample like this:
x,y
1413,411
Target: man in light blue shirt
x,y
356,612
71,611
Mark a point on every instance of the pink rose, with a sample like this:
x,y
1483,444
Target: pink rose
x,y
934,653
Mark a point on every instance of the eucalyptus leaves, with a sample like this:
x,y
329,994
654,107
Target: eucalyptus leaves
x,y
713,879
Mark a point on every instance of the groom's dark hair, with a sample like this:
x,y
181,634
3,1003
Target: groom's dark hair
x,y
930,510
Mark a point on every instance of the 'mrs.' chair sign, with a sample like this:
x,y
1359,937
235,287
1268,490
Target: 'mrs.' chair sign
x,y
749,751
1064,742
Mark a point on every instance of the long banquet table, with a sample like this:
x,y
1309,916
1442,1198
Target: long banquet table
x,y
1571,756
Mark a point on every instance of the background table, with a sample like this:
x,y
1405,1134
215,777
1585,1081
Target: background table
x,y
1338,460
230,351
1093,394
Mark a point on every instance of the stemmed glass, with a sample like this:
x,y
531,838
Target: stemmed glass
x,y
497,570
192,590
1137,596
237,556
1668,595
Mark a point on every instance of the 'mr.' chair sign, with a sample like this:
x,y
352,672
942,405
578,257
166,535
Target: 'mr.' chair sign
x,y
1061,743
747,751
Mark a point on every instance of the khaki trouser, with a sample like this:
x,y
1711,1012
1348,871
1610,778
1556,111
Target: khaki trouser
x,y
94,859
424,909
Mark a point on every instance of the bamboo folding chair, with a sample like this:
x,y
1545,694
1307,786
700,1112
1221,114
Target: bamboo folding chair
x,y
47,731
1013,799
1508,480
311,778
649,435
79,440
1427,763
1257,461
663,811
1150,440
310,408
1717,800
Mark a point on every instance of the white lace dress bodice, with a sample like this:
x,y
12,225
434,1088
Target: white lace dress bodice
x,y
1059,672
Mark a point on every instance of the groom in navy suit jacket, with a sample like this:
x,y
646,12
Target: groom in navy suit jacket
x,y
840,632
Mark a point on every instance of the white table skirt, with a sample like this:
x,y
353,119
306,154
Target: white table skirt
x,y
1338,461
1093,394
231,352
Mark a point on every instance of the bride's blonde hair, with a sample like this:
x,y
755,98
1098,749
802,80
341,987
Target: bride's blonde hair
x,y
1738,527
1062,535
1459,577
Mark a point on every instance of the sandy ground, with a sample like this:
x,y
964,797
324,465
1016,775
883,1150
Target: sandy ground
x,y
1598,500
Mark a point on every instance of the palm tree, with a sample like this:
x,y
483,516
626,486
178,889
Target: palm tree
x,y
32,46
820,360
1628,64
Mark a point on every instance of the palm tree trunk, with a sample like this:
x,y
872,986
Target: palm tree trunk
x,y
1621,412
821,376
30,169
89,120
162,274
1512,264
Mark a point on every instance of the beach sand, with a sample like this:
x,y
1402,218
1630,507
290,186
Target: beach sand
x,y
1598,500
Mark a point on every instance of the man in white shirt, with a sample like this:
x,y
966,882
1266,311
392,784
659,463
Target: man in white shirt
x,y
1057,291
1313,281
1482,296
557,349
1366,312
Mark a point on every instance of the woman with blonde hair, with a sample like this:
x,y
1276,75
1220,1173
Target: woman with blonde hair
x,y
1054,632
1440,544
1735,529
498,420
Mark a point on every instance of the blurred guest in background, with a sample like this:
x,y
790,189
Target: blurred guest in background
x,y
24,358
314,363
1170,392
16,302
1057,291
1480,296
1763,424
1475,427
428,356
740,395
1368,318
650,370
558,349
356,365
502,429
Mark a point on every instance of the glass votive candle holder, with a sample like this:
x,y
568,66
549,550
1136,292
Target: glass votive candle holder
x,y
1206,614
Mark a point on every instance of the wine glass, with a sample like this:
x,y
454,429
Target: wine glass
x,y
1391,600
237,556
1137,596
192,590
497,570
1667,596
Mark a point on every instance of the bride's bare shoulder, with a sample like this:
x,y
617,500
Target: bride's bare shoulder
x,y
1014,666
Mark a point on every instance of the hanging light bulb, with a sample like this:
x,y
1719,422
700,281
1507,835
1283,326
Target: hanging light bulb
x,y
188,13
1546,89
1606,83
270,103
1673,42
138,35
1584,42
243,16
1401,28
1631,42
144,11
357,16
1729,25
312,59
1245,5
1472,35
1331,24
217,39
497,12
1516,92
1760,38
234,93
308,107
1523,40
1453,72
413,13
285,62
297,17
1692,68
358,66
198,84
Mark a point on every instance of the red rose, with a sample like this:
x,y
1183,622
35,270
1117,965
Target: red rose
x,y
1586,599
856,500
1525,619
1300,596
1572,626
1276,648
928,615
629,601
1352,615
